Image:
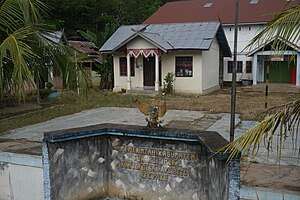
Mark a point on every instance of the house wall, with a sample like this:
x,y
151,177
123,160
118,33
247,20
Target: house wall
x,y
228,76
203,80
21,177
210,68
137,81
184,84
245,34
139,43
181,84
121,81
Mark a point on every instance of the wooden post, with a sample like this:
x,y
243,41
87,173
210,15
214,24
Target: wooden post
x,y
77,75
267,88
233,86
128,73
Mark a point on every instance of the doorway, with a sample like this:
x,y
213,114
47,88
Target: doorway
x,y
149,71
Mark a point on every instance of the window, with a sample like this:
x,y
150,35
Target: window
x,y
239,66
248,66
123,66
208,5
240,28
254,1
249,28
229,66
184,66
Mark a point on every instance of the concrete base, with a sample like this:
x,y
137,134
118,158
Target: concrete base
x,y
134,162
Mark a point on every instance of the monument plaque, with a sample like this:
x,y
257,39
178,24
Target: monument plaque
x,y
131,162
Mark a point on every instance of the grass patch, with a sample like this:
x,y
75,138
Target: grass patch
x,y
69,103
249,104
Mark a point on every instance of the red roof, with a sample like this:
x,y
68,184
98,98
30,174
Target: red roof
x,y
194,11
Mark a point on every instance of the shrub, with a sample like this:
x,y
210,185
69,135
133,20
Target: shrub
x,y
168,84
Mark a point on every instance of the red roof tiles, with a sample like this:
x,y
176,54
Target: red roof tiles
x,y
194,11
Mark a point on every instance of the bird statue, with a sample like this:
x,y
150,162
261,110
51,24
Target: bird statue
x,y
154,110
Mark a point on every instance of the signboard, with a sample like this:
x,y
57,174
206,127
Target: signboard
x,y
277,57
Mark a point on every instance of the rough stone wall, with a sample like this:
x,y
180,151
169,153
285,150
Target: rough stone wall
x,y
218,173
150,169
135,168
78,169
234,179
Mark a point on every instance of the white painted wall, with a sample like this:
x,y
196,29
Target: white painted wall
x,y
210,68
137,81
21,177
199,83
184,84
204,79
121,81
139,43
228,76
244,37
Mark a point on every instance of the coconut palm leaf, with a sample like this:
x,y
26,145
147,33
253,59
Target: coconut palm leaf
x,y
282,30
17,50
89,36
24,44
280,121
17,18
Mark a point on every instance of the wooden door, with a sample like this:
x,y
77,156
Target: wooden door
x,y
279,71
149,71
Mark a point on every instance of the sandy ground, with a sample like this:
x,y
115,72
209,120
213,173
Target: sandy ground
x,y
270,176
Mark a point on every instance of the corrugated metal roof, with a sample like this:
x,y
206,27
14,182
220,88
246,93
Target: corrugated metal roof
x,y
195,11
157,39
55,37
168,36
122,35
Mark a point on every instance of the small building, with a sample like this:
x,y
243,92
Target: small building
x,y
253,17
144,54
281,66
87,56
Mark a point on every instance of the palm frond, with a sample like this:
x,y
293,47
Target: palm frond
x,y
284,29
281,120
17,50
17,13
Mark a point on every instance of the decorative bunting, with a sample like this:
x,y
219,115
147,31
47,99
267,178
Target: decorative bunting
x,y
145,52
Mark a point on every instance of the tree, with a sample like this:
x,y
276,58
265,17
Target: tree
x,y
17,25
105,69
284,29
93,15
24,47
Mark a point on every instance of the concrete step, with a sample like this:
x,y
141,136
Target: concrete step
x,y
262,193
143,92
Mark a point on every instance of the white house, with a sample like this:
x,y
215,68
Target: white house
x,y
144,54
253,16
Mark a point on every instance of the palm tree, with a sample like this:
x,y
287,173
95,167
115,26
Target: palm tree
x,y
283,30
24,46
105,69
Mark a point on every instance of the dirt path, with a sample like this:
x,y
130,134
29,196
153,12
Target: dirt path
x,y
270,176
19,108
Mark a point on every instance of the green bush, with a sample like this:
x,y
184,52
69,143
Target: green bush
x,y
168,84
